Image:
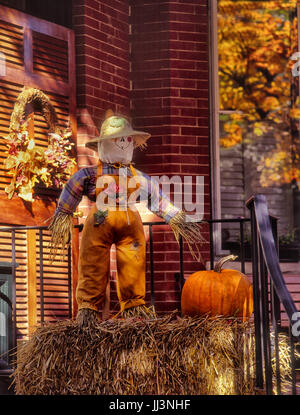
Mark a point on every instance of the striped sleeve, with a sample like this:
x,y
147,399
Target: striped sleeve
x,y
82,183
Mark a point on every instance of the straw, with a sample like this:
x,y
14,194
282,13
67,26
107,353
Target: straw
x,y
169,355
135,356
191,232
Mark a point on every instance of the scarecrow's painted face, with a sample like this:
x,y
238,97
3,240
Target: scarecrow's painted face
x,y
116,150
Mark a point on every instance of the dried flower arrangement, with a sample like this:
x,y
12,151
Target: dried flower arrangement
x,y
29,164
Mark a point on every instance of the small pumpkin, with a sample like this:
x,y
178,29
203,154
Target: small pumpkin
x,y
218,292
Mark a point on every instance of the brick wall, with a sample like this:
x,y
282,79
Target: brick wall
x,y
148,60
169,53
102,65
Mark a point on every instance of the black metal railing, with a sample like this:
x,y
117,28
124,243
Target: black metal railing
x,y
42,231
270,292
241,222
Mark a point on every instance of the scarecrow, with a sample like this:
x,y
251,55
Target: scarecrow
x,y
115,185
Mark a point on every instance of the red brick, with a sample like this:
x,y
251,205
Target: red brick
x,y
150,27
191,121
120,5
203,67
153,102
144,38
108,29
150,54
189,55
184,83
186,17
166,296
191,93
183,65
150,93
203,3
114,12
122,54
188,27
94,4
202,103
145,83
200,38
203,170
187,9
166,307
179,102
165,286
183,73
187,140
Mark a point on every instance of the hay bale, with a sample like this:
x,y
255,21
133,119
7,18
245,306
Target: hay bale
x,y
170,355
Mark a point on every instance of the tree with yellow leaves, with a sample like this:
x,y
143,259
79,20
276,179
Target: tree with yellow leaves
x,y
256,40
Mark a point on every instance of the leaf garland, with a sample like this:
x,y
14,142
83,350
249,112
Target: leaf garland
x,y
29,164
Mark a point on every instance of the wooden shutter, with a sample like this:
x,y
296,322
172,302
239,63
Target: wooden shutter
x,y
38,54
41,55
42,294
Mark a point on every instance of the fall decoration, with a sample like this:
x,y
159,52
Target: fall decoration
x,y
136,356
61,228
218,293
140,311
87,318
191,232
29,164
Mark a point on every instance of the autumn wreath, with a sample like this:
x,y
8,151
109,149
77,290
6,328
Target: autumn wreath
x,y
29,164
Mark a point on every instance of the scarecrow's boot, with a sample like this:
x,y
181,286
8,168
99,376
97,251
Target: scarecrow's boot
x,y
87,318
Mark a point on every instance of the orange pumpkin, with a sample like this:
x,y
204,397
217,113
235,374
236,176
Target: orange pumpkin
x,y
219,292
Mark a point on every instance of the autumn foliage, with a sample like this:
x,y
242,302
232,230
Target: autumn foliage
x,y
256,40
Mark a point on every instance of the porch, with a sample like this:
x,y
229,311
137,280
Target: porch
x,y
51,289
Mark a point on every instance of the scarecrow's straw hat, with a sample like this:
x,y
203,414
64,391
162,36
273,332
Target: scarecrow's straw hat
x,y
115,126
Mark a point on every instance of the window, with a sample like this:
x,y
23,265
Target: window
x,y
255,111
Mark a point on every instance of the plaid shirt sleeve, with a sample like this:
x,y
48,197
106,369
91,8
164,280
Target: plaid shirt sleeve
x,y
82,183
158,202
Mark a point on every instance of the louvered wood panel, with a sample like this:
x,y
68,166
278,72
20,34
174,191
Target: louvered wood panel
x,y
12,43
50,56
40,55
56,286
47,62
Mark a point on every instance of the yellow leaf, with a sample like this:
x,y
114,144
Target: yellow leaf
x,y
23,157
31,144
9,162
10,189
26,193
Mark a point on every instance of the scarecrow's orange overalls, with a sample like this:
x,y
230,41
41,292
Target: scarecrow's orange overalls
x,y
122,226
